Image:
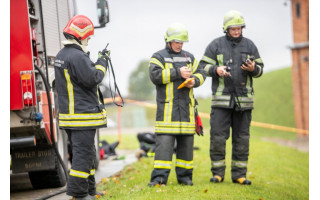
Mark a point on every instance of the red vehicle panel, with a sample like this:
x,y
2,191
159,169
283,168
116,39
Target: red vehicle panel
x,y
20,50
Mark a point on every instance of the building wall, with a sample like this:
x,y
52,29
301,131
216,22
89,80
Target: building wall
x,y
300,20
300,83
300,62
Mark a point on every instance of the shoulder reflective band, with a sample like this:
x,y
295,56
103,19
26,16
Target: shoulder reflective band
x,y
156,62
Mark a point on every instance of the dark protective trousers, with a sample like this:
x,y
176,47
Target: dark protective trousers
x,y
220,121
81,177
163,157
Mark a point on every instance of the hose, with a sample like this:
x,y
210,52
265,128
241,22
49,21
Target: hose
x,y
46,84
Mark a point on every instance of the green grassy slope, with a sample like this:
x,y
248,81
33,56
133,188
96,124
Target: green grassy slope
x,y
273,104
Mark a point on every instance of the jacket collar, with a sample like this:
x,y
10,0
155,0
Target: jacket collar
x,y
73,42
234,40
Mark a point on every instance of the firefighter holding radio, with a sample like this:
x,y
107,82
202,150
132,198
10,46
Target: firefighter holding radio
x,y
81,109
232,61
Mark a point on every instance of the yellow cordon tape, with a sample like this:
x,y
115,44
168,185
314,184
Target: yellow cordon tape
x,y
206,115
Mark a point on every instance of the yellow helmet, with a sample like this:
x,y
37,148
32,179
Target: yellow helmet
x,y
177,32
231,19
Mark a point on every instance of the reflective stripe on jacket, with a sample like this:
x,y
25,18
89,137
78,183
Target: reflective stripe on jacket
x,y
222,52
175,108
77,79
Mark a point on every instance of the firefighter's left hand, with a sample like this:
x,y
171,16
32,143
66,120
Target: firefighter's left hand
x,y
190,84
250,66
104,54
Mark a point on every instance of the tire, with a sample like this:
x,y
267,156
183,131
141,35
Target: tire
x,y
56,177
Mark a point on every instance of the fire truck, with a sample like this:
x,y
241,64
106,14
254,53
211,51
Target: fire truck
x,y
37,145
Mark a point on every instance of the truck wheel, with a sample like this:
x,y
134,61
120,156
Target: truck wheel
x,y
55,177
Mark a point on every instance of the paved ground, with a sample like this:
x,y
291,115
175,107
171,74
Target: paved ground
x,y
21,189
301,143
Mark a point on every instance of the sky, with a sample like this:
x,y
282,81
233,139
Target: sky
x,y
136,30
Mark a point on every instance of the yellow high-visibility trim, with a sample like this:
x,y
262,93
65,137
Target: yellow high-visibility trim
x,y
195,65
166,76
184,164
174,131
191,107
156,62
78,174
82,123
70,91
102,68
169,96
92,172
207,68
209,60
82,116
175,124
220,59
162,164
200,77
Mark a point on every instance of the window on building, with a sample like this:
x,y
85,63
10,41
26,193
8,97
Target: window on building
x,y
298,10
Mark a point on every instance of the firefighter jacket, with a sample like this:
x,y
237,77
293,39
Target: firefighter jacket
x,y
175,108
77,78
237,89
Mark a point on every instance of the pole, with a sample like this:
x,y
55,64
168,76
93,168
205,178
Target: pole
x,y
119,120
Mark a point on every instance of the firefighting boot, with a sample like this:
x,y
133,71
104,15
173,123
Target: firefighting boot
x,y
216,179
242,181
153,184
84,198
186,182
97,195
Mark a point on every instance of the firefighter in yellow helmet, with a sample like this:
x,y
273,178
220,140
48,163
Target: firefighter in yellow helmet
x,y
81,109
232,61
175,118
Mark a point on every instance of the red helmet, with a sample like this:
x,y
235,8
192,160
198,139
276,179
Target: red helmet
x,y
80,27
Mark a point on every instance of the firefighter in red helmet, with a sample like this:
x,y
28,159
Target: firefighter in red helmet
x,y
81,109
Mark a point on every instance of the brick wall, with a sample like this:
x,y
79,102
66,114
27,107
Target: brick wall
x,y
300,62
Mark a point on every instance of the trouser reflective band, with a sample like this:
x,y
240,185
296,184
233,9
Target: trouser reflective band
x,y
240,164
93,172
219,163
161,164
184,164
79,174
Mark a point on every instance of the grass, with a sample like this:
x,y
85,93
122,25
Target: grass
x,y
277,172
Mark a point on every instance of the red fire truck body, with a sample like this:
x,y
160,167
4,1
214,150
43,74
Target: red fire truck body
x,y
35,38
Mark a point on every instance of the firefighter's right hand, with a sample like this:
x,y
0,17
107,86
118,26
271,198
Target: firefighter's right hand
x,y
221,71
185,72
